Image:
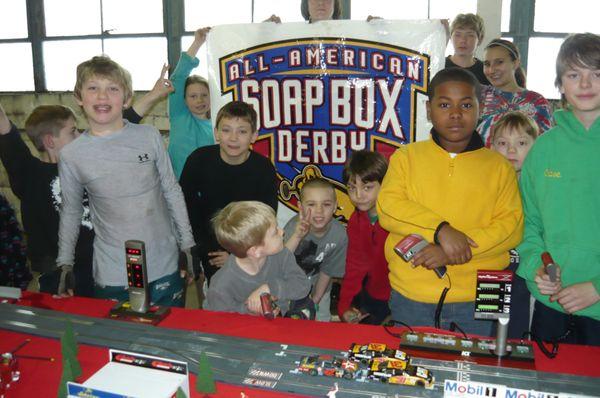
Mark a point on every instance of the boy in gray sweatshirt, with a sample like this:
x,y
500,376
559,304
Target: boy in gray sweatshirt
x,y
133,193
258,262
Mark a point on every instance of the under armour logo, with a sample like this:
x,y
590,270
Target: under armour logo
x,y
143,158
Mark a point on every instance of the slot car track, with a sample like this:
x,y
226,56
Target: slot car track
x,y
268,365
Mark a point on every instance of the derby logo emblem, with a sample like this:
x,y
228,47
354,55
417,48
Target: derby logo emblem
x,y
319,99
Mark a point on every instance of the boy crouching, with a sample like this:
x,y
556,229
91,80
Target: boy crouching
x,y
258,262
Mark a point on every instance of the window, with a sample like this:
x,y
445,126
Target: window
x,y
144,63
60,20
61,58
556,16
389,9
16,68
541,69
505,18
133,16
13,19
199,13
287,10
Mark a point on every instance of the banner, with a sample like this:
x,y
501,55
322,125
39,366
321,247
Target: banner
x,y
325,89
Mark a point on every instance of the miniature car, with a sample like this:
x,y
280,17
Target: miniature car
x,y
124,358
326,365
365,353
393,373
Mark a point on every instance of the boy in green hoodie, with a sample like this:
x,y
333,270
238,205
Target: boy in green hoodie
x,y
560,191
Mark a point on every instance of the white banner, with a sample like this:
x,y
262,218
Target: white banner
x,y
325,89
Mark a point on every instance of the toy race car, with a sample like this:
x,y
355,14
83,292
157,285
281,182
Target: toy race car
x,y
366,353
326,365
395,372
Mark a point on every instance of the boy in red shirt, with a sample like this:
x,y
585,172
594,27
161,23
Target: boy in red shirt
x,y
366,285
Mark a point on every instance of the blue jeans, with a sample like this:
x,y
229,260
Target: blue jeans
x,y
550,324
167,291
415,313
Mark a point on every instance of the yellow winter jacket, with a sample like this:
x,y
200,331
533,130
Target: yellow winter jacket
x,y
475,191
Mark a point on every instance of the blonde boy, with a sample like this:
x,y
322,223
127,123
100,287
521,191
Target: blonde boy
x,y
467,32
132,191
318,241
258,262
560,190
513,136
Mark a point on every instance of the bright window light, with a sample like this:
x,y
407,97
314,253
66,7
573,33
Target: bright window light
x,y
574,16
199,13
13,19
61,59
16,76
144,63
120,16
541,70
72,17
287,10
388,9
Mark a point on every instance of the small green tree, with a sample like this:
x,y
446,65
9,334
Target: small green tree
x,y
180,393
69,349
205,381
67,375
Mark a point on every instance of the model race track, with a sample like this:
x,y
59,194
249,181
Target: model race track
x,y
268,365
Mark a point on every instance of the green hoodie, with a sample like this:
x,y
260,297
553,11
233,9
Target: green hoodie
x,y
560,188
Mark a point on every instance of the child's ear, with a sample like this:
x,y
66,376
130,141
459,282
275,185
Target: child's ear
x,y
254,251
216,134
48,141
78,100
254,137
428,107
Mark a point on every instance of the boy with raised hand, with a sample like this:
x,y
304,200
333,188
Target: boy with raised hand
x,y
35,182
258,262
216,175
366,286
560,189
461,197
318,241
132,190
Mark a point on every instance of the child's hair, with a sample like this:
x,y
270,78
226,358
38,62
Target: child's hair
x,y
237,109
515,55
582,50
105,67
318,182
368,165
44,120
241,225
195,79
453,74
515,120
337,9
469,21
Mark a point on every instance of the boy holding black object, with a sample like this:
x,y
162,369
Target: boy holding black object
x,y
366,286
442,189
258,262
559,183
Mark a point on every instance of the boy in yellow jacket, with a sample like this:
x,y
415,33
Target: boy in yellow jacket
x,y
460,196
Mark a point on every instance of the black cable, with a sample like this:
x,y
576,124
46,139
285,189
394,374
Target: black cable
x,y
393,322
454,326
440,304
555,342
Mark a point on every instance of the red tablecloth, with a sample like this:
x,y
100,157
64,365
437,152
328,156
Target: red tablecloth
x,y
40,378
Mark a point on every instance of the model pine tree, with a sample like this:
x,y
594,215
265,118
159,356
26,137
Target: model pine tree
x,y
205,381
67,375
180,393
69,350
